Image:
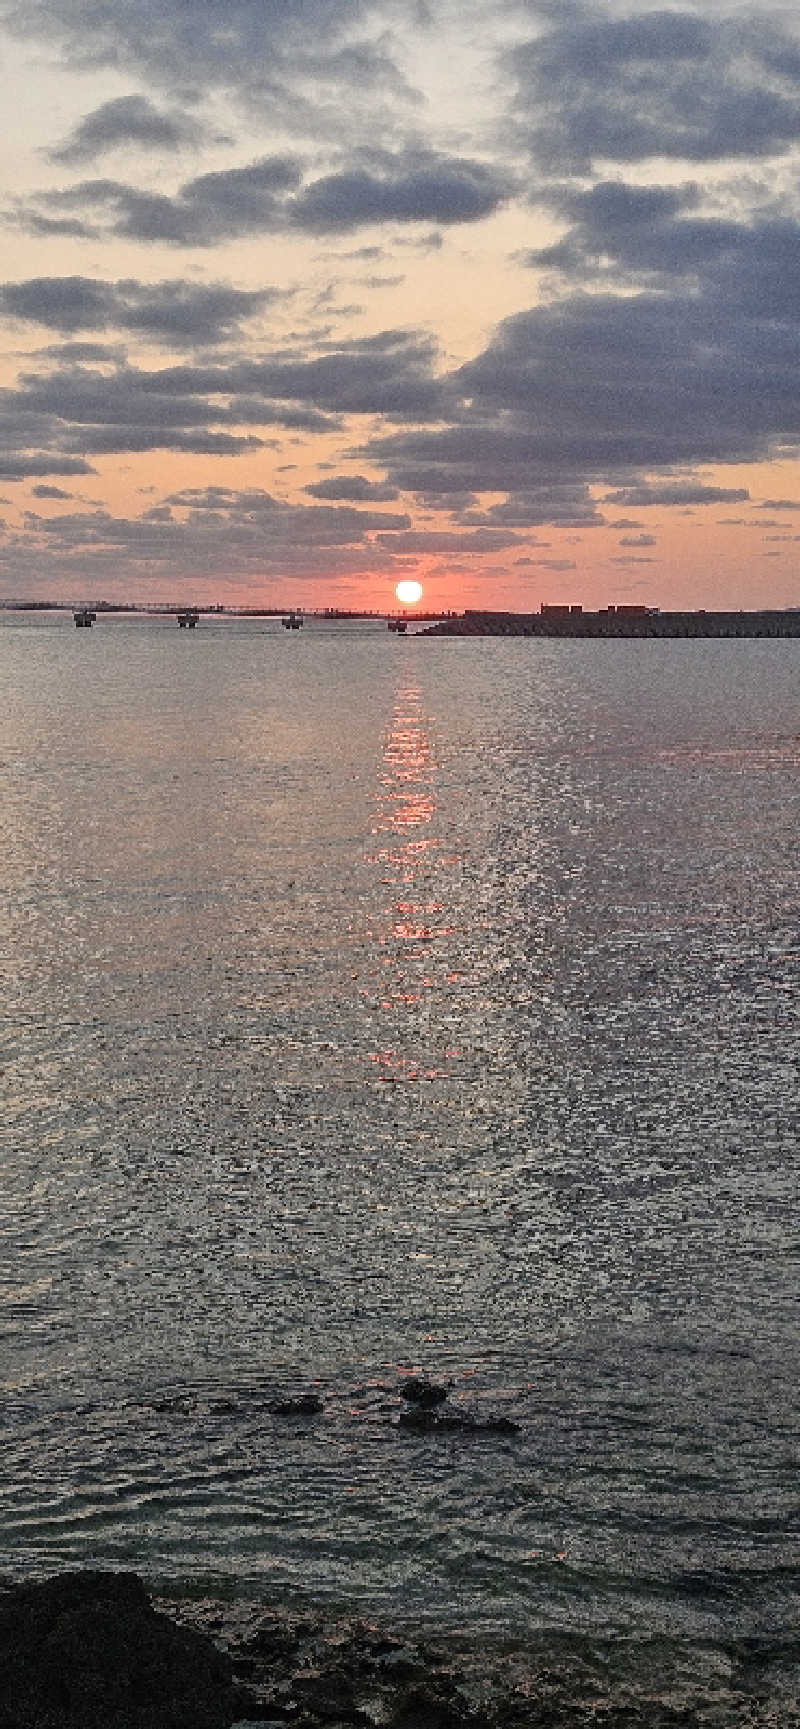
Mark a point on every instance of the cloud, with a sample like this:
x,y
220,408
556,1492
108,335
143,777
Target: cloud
x,y
297,62
418,187
602,388
124,121
205,531
638,540
50,492
666,83
174,312
205,211
678,492
478,541
353,487
654,236
207,409
266,196
645,379
14,467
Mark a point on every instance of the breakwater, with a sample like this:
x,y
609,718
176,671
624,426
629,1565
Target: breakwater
x,y
604,624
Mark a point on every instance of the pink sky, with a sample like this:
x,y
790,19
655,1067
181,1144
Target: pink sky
x,y
302,300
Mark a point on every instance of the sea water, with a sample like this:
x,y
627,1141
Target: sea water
x,y
378,1006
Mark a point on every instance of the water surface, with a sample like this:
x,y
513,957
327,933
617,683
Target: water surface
x,y
376,1005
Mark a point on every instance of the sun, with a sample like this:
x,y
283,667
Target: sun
x,y
409,592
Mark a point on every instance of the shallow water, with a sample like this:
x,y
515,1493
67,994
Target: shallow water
x,y
377,1005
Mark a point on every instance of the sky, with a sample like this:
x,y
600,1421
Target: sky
x,y
302,298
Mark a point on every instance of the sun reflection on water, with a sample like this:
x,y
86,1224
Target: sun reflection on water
x,y
413,923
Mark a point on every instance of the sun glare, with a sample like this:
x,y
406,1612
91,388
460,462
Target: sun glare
x,y
409,592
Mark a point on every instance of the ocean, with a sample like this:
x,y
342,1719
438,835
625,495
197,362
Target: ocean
x,y
379,1007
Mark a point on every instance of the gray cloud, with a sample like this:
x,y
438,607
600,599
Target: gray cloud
x,y
569,505
679,492
266,196
476,542
656,84
175,312
77,409
419,187
14,467
201,531
127,120
297,58
601,387
652,235
206,210
353,487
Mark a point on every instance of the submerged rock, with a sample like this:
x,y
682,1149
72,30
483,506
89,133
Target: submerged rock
x,y
421,1420
88,1651
419,1391
303,1405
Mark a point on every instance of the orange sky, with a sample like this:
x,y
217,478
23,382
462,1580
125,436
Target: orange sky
x,y
501,300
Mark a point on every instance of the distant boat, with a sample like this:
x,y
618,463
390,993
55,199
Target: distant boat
x,y
84,617
187,619
293,622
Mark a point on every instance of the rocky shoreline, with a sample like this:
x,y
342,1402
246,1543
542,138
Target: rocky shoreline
x,y
94,1650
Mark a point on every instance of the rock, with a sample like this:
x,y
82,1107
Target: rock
x,y
423,1421
418,1391
327,1694
431,1705
304,1405
87,1651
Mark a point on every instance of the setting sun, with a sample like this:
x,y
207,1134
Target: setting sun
x,y
409,592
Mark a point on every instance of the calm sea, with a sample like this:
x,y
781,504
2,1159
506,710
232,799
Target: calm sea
x,y
378,1005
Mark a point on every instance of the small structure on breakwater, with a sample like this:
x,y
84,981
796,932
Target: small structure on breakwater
x,y
187,619
84,617
293,621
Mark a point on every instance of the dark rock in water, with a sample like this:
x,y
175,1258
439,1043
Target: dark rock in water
x,y
87,1651
433,1705
327,1694
423,1421
418,1391
304,1405
317,1674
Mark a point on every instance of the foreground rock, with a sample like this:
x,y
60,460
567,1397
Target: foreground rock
x,y
88,1651
312,1671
